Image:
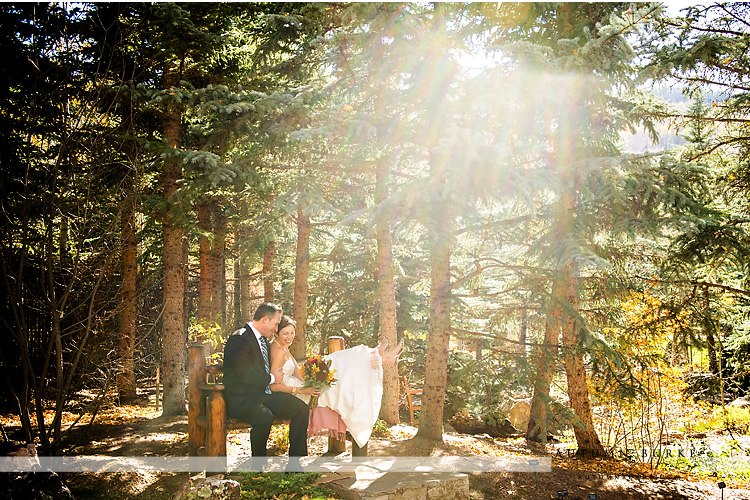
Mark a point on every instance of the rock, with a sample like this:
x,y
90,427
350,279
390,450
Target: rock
x,y
740,402
35,485
519,413
500,427
468,423
210,488
494,425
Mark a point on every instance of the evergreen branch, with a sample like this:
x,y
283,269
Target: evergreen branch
x,y
707,81
494,337
734,16
496,294
693,117
708,29
719,145
697,283
495,224
632,23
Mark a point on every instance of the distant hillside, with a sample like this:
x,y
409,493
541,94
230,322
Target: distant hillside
x,y
669,132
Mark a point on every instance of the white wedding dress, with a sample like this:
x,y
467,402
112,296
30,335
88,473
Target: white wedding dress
x,y
358,391
287,370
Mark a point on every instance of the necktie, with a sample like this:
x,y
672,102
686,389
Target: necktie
x,y
266,362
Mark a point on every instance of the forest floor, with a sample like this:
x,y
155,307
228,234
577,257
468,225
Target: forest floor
x,y
139,431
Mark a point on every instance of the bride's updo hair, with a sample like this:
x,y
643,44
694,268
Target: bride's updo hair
x,y
285,321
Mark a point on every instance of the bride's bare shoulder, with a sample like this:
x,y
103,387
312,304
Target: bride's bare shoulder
x,y
276,348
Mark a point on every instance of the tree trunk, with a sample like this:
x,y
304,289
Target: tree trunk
x,y
436,366
126,385
578,392
387,292
713,364
237,317
565,295
545,370
268,254
205,286
64,255
218,271
565,281
246,302
301,273
173,321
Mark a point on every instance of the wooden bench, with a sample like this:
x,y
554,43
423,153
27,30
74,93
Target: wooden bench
x,y
207,411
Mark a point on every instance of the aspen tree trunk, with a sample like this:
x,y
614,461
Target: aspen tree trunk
x,y
205,287
125,380
301,274
268,254
386,278
536,430
237,317
173,320
387,293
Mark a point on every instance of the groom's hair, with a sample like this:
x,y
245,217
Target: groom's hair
x,y
266,309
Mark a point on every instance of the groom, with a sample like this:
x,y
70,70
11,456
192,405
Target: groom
x,y
247,377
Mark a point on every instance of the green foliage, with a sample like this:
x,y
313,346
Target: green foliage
x,y
697,458
478,386
206,332
732,419
276,485
380,429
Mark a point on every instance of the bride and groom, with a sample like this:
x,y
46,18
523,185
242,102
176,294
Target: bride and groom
x,y
262,382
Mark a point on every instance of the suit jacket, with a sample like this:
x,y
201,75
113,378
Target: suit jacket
x,y
244,370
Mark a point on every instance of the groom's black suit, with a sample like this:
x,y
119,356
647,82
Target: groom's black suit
x,y
245,381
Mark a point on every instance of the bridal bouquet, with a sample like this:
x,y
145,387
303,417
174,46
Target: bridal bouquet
x,y
318,374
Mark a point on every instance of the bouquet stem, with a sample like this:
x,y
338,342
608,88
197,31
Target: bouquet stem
x,y
313,402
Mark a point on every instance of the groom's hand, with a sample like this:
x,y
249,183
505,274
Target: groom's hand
x,y
278,374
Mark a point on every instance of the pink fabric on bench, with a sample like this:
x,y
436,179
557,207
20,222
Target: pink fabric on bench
x,y
326,422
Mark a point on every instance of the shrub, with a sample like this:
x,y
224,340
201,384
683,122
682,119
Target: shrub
x,y
278,485
380,429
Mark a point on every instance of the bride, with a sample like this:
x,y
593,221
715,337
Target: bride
x,y
355,397
283,362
